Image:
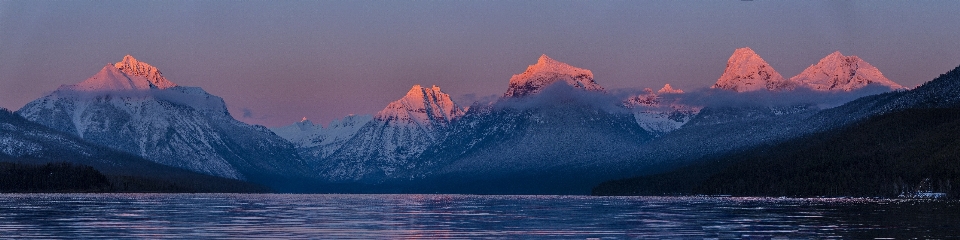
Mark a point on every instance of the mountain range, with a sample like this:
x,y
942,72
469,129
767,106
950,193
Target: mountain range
x,y
894,144
555,130
555,120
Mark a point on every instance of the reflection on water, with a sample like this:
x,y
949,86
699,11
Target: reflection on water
x,y
466,216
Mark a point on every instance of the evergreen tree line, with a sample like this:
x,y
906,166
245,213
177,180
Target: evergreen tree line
x,y
51,177
65,177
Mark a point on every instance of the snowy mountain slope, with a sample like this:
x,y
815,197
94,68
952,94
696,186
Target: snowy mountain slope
x,y
22,141
836,72
546,72
391,140
660,112
136,110
746,72
664,120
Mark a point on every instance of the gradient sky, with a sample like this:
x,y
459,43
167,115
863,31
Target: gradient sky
x,y
275,62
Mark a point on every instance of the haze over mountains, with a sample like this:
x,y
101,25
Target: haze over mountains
x,y
554,130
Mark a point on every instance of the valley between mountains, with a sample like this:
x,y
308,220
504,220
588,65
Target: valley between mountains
x,y
828,131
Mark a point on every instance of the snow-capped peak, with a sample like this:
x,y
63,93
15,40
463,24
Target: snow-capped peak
x,y
421,106
746,71
834,55
548,71
110,79
843,73
126,75
668,89
132,67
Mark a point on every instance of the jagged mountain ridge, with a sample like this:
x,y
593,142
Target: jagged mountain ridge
x,y
144,114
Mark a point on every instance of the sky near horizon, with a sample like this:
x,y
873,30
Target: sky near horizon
x,y
276,62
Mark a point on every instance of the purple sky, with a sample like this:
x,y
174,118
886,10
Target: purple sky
x,y
275,62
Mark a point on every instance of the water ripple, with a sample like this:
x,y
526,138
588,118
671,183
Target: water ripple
x,y
267,216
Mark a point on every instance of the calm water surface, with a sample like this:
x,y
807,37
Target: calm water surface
x,y
267,216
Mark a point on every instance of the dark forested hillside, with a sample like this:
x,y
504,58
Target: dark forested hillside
x,y
886,155
63,177
51,177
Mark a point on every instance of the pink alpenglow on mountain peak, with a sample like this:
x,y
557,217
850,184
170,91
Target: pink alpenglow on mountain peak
x,y
746,72
668,89
128,74
421,106
132,67
546,72
836,72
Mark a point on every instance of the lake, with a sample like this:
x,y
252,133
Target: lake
x,y
272,216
